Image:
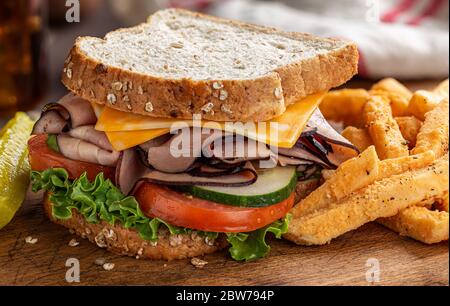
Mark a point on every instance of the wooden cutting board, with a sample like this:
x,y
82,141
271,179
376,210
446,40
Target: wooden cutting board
x,y
402,261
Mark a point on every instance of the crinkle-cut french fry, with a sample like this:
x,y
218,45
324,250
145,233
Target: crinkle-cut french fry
x,y
420,223
352,175
397,93
409,127
434,132
422,102
359,137
345,105
383,129
382,199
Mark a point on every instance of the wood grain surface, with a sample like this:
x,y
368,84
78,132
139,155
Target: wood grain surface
x,y
343,262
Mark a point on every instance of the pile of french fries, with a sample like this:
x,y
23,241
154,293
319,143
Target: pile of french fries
x,y
401,178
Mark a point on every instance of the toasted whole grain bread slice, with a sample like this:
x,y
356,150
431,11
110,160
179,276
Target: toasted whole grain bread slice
x,y
181,63
120,240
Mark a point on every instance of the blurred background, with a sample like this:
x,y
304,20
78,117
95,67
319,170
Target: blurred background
x,y
406,39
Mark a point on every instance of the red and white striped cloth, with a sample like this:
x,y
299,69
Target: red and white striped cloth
x,y
406,39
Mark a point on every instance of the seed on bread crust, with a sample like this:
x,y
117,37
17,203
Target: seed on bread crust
x,y
117,86
223,95
217,85
149,107
109,234
278,93
226,109
100,240
210,241
111,99
208,107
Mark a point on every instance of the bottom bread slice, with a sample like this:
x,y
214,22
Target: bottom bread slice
x,y
120,240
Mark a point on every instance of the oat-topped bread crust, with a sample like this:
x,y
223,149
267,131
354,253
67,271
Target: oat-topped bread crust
x,y
120,240
181,63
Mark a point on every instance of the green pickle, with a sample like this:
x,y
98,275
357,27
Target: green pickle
x,y
14,166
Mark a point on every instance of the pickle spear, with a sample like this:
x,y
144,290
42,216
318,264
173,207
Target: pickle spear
x,y
14,166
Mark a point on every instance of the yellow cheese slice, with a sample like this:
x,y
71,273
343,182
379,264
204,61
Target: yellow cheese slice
x,y
125,140
127,130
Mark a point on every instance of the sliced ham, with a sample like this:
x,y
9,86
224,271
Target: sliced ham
x,y
78,149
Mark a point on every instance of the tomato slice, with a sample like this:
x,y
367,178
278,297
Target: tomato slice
x,y
180,210
43,158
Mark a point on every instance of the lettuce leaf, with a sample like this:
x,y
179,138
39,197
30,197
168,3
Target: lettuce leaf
x,y
250,246
100,201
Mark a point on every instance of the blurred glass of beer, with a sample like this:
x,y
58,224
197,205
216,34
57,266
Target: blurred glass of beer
x,y
23,77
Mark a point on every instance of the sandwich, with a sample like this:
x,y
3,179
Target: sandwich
x,y
189,134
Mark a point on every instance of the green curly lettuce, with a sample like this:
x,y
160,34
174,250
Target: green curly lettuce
x,y
100,200
250,246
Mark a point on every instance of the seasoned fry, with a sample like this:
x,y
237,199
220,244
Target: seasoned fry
x,y
442,90
395,166
359,137
420,223
345,106
409,127
397,94
422,102
392,85
434,133
327,174
383,129
352,175
442,203
382,199
399,104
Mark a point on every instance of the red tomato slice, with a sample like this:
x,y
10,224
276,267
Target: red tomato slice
x,y
180,210
43,158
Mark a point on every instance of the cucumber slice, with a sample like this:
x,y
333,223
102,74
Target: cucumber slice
x,y
272,187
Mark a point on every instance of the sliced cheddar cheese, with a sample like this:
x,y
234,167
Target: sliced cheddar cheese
x,y
127,130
